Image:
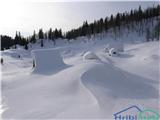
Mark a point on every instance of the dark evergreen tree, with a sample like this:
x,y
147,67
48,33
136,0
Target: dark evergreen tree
x,y
148,34
157,31
56,34
41,34
60,33
106,24
50,34
33,37
26,46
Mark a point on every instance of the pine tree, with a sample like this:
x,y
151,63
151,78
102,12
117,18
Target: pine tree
x,y
41,34
26,47
16,38
148,35
157,31
33,38
60,33
106,24
15,46
56,33
101,28
50,34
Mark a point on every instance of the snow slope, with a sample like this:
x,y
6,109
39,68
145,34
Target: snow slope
x,y
92,88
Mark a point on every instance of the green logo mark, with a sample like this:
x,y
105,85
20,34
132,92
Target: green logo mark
x,y
148,114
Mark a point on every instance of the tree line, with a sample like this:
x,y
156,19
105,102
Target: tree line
x,y
7,42
117,22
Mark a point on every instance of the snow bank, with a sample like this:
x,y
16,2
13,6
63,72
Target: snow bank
x,y
47,60
90,55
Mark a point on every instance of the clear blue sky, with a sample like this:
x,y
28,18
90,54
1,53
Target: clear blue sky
x,y
29,16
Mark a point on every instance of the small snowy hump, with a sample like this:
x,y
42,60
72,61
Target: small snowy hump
x,y
113,52
47,60
90,56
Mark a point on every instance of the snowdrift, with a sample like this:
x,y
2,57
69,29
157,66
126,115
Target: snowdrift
x,y
109,80
90,55
47,60
88,91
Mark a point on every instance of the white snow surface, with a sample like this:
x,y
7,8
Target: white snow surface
x,y
63,85
47,60
90,56
113,52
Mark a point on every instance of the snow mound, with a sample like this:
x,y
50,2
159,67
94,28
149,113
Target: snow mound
x,y
89,56
106,49
118,45
108,80
113,52
47,60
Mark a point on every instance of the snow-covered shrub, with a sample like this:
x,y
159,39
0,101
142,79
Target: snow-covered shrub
x,y
113,52
106,49
118,45
89,56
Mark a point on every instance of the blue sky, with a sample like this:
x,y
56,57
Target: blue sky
x,y
29,16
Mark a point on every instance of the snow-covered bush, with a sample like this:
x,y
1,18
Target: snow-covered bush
x,y
89,56
118,45
106,49
113,52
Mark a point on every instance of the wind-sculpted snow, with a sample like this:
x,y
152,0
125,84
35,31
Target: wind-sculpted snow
x,y
117,83
75,88
47,60
73,91
61,95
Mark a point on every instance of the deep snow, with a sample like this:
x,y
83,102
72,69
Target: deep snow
x,y
92,88
48,60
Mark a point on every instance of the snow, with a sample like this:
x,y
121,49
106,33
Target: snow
x,y
47,60
90,56
78,80
113,52
117,45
